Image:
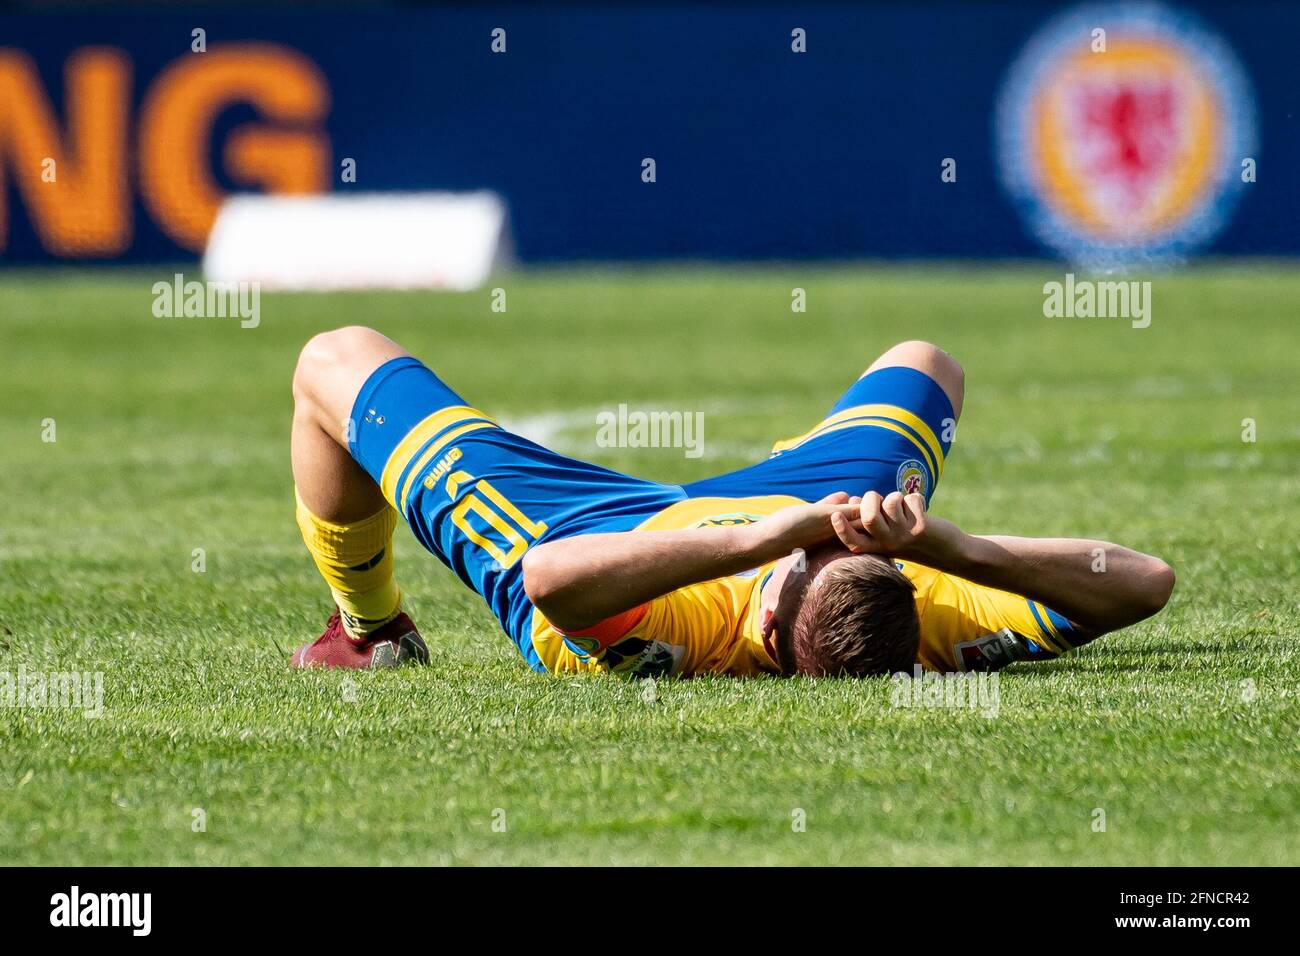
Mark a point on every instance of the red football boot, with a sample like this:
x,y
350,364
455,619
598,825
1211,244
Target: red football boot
x,y
396,643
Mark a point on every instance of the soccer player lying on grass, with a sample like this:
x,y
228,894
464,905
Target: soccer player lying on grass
x,y
774,568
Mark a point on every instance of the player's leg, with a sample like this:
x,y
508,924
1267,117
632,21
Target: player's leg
x,y
933,362
345,521
890,431
331,369
379,437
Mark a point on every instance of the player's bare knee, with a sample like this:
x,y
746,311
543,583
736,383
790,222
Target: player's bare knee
x,y
313,359
333,367
933,361
326,353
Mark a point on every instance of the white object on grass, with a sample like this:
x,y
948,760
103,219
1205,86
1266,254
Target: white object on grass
x,y
427,240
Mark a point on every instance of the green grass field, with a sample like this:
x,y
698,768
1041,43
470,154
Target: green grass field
x,y
172,435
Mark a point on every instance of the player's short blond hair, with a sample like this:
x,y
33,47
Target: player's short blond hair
x,y
859,621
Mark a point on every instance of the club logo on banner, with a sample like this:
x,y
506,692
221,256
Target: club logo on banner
x,y
1122,132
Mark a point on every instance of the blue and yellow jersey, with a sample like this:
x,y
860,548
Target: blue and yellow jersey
x,y
709,628
716,627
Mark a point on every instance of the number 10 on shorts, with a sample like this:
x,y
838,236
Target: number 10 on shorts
x,y
501,514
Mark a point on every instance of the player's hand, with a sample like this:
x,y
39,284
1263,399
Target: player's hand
x,y
804,526
895,524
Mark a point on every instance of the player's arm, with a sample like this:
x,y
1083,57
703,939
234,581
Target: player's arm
x,y
580,581
1063,573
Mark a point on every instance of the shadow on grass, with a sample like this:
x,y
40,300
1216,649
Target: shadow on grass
x,y
1161,658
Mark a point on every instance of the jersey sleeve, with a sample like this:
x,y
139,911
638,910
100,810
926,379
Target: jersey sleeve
x,y
670,635
967,626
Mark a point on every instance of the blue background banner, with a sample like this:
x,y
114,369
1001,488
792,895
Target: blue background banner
x,y
760,152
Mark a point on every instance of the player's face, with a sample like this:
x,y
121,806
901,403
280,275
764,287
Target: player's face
x,y
793,578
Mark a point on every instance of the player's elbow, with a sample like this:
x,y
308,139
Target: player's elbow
x,y
538,583
544,581
1159,581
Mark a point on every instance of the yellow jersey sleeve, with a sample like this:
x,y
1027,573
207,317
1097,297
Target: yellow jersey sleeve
x,y
704,628
966,626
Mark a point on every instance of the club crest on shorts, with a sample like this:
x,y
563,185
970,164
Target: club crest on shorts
x,y
911,477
